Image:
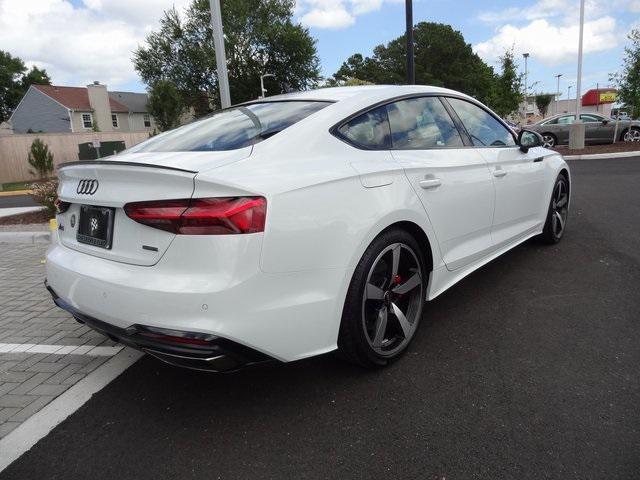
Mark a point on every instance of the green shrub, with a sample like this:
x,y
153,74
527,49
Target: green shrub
x,y
41,159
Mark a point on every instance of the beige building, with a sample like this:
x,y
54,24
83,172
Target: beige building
x,y
51,108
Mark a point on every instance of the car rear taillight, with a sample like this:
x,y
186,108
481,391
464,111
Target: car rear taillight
x,y
202,216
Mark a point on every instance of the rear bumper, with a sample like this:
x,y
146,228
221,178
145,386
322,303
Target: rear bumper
x,y
221,355
210,286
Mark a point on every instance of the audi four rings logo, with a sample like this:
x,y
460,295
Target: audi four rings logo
x,y
87,186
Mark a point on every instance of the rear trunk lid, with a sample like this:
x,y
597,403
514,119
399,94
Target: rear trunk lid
x,y
108,185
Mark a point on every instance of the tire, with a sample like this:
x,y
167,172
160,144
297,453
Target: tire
x,y
631,135
549,140
384,303
556,221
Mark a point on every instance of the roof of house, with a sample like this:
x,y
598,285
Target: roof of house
x,y
136,102
76,98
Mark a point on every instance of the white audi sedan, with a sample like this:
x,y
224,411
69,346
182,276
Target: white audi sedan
x,y
299,224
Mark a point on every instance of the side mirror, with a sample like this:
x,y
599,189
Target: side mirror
x,y
528,139
605,121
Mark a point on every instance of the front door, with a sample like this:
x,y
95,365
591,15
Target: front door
x,y
519,178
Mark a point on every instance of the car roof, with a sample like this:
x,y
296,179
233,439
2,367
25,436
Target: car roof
x,y
363,92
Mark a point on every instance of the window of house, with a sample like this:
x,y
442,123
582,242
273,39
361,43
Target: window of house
x,y
87,120
369,130
422,123
485,130
114,120
147,120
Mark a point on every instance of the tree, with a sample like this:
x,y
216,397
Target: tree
x,y
165,104
35,76
506,95
11,70
628,80
41,159
260,38
543,101
442,58
14,82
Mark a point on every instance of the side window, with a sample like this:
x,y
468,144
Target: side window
x,y
369,130
566,119
485,130
590,118
553,121
422,123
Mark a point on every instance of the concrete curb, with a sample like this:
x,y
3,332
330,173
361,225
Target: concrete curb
x,y
602,156
25,237
14,193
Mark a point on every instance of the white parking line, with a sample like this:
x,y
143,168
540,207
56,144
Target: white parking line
x,y
60,349
40,424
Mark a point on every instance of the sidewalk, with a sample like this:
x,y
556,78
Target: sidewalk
x,y
43,350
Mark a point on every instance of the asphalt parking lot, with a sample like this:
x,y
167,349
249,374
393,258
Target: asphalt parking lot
x,y
528,368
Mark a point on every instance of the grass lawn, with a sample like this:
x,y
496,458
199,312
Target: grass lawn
x,y
12,186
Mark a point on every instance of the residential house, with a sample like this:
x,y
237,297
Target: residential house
x,y
50,108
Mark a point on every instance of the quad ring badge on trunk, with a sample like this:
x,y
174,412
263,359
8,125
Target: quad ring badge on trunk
x,y
87,186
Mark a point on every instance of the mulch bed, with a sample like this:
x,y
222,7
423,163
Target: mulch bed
x,y
41,216
608,148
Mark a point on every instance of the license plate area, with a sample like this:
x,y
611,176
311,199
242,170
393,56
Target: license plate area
x,y
95,226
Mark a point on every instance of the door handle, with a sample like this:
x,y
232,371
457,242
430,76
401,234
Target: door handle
x,y
430,183
539,159
498,172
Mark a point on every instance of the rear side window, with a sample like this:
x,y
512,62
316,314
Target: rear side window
x,y
422,123
369,130
566,120
485,130
233,128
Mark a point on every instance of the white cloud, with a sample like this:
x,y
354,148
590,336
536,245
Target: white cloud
x,y
548,43
335,13
80,44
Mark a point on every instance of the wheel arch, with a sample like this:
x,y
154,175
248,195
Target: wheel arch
x,y
419,234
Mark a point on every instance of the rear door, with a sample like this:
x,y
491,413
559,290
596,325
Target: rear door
x,y
519,178
451,178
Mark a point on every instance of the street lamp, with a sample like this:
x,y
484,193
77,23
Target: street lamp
x,y
262,89
558,93
569,97
221,57
411,73
526,73
577,128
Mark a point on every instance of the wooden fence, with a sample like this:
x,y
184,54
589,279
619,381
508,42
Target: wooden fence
x,y
14,149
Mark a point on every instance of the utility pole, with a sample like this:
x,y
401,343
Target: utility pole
x,y
411,73
221,57
526,74
558,93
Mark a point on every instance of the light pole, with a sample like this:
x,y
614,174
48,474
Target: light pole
x,y
576,130
526,74
411,72
558,93
569,98
221,57
262,89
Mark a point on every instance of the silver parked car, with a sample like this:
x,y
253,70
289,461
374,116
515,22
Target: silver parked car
x,y
599,129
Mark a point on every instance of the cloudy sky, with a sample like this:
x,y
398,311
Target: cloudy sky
x,y
79,41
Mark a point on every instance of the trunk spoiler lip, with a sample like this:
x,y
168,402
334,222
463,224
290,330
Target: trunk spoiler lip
x,y
115,162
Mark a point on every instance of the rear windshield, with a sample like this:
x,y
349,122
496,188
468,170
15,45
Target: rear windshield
x,y
232,128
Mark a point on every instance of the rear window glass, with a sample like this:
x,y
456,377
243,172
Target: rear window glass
x,y
231,129
369,130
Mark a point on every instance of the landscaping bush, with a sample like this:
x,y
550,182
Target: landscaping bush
x,y
41,159
45,193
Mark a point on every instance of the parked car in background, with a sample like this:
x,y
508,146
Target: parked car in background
x,y
599,129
